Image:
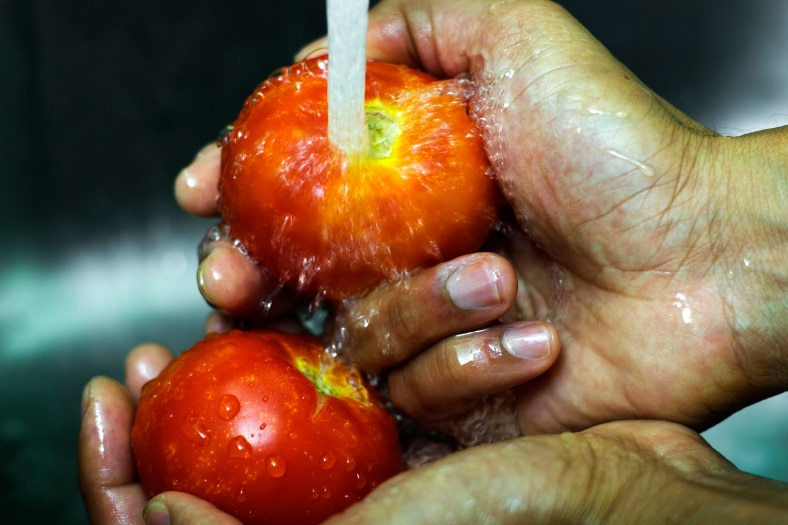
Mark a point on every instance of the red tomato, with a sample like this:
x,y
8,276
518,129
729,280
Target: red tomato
x,y
251,422
326,224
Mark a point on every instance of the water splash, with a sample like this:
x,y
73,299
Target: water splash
x,y
494,419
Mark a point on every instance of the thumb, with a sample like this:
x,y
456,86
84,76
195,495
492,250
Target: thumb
x,y
178,508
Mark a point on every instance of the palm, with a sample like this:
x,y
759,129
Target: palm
x,y
624,267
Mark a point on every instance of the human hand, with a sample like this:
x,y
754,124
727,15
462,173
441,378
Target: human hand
x,y
659,265
621,472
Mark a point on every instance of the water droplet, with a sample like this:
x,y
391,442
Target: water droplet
x,y
239,448
361,480
197,433
265,399
263,425
241,496
682,304
328,461
647,170
229,406
276,466
224,136
506,73
350,463
325,492
314,493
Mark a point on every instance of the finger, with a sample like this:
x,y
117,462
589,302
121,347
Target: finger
x,y
107,477
218,323
197,185
396,321
230,281
144,363
233,283
316,48
178,508
449,379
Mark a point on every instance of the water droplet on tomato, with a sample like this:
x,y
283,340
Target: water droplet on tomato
x,y
241,496
265,399
263,425
325,492
276,466
328,461
350,463
314,493
361,480
224,136
197,433
239,448
229,406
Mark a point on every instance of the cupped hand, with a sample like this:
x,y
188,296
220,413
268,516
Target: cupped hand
x,y
646,240
622,472
635,223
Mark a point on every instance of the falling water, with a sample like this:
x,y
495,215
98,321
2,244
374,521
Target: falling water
x,y
347,31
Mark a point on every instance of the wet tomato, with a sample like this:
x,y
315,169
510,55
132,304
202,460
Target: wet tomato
x,y
262,425
324,223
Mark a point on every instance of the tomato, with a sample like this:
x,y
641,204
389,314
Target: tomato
x,y
262,425
323,223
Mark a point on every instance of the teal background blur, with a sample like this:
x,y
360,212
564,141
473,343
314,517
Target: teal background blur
x,y
101,104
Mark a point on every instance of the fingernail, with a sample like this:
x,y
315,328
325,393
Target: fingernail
x,y
87,393
207,149
156,513
474,287
315,48
528,341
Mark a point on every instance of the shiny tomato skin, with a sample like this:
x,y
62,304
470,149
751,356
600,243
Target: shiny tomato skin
x,y
234,421
326,224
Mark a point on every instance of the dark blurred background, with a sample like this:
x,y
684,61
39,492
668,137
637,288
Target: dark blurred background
x,y
102,103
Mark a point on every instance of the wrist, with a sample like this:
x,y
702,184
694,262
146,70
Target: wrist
x,y
750,192
658,471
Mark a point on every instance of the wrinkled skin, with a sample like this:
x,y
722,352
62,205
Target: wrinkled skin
x,y
655,247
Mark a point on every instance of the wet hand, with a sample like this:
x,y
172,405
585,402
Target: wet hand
x,y
632,222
